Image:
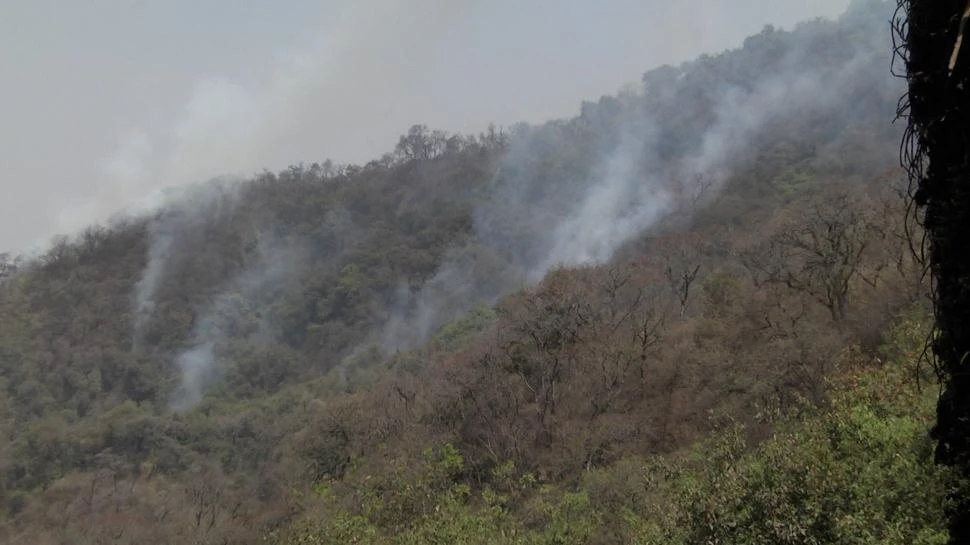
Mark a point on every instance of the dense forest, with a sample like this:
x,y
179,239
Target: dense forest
x,y
690,314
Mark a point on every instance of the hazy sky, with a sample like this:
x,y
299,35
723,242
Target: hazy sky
x,y
102,102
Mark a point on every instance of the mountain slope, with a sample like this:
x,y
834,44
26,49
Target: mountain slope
x,y
560,297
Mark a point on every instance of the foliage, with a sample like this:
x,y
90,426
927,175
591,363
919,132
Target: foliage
x,y
583,408
860,471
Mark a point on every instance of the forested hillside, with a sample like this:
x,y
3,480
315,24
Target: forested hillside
x,y
690,314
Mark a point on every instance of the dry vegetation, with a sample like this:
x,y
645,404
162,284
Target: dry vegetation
x,y
716,381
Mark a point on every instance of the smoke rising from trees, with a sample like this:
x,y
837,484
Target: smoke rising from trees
x,y
584,216
574,192
95,127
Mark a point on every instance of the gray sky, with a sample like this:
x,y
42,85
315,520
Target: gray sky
x,y
104,101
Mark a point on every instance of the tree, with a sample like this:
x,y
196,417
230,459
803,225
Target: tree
x,y
682,265
545,330
8,265
420,143
936,152
821,252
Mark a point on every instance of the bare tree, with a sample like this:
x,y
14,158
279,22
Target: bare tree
x,y
681,266
681,277
820,253
420,143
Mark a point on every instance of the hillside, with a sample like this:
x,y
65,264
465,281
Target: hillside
x,y
619,327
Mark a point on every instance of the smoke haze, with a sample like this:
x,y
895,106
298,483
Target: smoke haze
x,y
349,93
180,212
235,312
104,104
583,218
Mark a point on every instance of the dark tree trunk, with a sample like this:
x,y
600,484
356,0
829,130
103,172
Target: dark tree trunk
x,y
936,152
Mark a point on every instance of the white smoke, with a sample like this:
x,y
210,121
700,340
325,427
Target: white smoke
x,y
467,278
616,208
236,312
178,213
162,236
238,92
197,367
582,219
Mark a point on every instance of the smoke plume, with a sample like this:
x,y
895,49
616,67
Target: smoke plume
x,y
236,312
546,208
178,213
